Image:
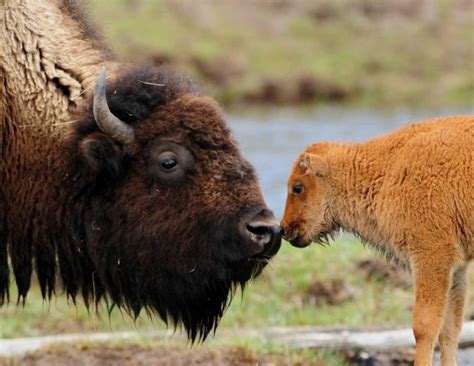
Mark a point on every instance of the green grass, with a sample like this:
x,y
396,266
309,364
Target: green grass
x,y
274,299
291,274
398,56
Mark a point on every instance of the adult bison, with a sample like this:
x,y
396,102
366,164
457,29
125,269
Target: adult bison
x,y
137,194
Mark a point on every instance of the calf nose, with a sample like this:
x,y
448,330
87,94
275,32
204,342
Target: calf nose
x,y
288,233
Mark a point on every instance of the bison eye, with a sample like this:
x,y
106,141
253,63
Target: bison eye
x,y
297,188
168,163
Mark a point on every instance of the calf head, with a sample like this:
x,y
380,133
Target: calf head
x,y
307,217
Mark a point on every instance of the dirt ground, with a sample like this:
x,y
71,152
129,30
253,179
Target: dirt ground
x,y
126,354
138,355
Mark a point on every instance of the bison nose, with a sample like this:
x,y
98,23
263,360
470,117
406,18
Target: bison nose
x,y
264,231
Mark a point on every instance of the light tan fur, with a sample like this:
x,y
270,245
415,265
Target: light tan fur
x,y
49,62
48,65
411,195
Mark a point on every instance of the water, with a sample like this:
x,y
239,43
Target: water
x,y
272,140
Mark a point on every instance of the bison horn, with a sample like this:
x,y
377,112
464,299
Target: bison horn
x,y
107,122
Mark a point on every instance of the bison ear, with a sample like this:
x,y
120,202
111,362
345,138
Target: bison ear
x,y
101,154
316,164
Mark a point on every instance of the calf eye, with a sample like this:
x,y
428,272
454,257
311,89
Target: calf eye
x,y
297,188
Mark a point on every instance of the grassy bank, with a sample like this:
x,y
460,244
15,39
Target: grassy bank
x,y
365,51
315,286
279,297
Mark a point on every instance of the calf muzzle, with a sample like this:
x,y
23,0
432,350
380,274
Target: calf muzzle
x,y
294,238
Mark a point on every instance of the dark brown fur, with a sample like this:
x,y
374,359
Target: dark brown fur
x,y
76,203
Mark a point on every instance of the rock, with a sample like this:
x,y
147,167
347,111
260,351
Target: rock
x,y
310,88
405,356
325,11
220,71
303,89
331,292
160,58
381,270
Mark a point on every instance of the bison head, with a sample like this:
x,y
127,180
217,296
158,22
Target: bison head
x,y
167,214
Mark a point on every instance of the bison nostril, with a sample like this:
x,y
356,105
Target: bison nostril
x,y
259,233
258,229
262,232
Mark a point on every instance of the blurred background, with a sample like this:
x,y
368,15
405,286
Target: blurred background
x,y
288,73
297,52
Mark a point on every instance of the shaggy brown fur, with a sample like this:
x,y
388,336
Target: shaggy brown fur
x,y
411,195
106,215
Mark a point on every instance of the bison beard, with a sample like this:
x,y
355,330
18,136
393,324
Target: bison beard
x,y
192,286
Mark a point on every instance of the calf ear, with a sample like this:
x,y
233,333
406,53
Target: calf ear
x,y
101,154
316,164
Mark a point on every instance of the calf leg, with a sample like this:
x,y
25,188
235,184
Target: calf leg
x,y
432,283
449,336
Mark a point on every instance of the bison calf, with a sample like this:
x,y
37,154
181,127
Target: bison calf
x,y
411,195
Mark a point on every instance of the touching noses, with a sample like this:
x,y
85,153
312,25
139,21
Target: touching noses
x,y
285,230
287,233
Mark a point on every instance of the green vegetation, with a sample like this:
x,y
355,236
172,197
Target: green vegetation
x,y
274,299
365,51
279,297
